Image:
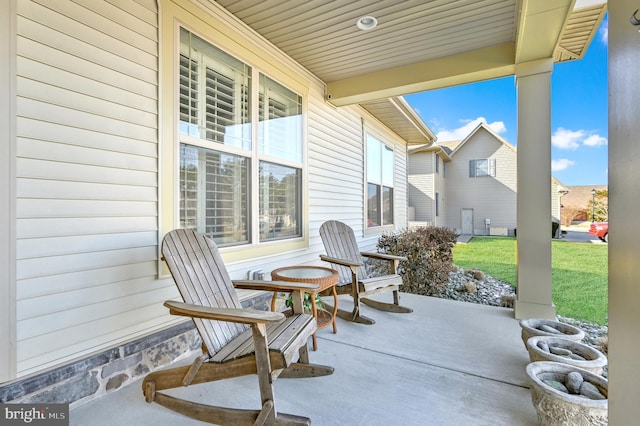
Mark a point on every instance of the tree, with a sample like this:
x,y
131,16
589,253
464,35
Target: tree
x,y
598,206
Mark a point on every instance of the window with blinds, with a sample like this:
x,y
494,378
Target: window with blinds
x,y
188,96
214,194
218,157
482,168
214,94
280,115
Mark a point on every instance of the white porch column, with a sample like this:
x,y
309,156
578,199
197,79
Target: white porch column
x,y
624,205
533,81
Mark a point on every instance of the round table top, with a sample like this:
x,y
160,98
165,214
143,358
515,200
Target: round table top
x,y
310,274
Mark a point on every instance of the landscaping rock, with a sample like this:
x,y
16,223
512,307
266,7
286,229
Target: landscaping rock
x,y
556,385
577,357
590,391
549,329
543,346
573,382
557,350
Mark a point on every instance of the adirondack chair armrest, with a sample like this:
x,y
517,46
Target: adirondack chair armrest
x,y
244,316
382,256
337,261
274,285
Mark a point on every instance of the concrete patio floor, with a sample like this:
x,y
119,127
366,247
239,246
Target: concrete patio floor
x,y
447,363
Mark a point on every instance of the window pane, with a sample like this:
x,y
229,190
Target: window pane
x,y
482,168
280,207
280,113
374,160
214,94
373,205
189,96
214,194
387,205
387,166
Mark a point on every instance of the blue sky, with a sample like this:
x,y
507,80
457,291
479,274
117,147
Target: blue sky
x,y
578,113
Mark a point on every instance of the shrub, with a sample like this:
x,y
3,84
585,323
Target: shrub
x,y
477,275
429,253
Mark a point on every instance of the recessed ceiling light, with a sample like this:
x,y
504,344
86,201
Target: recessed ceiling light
x,y
367,23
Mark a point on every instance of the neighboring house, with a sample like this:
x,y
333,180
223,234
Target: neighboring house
x,y
132,120
468,185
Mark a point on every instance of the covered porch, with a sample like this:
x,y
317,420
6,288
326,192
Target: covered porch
x,y
31,220
447,363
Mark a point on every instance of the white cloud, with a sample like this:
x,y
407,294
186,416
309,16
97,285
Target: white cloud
x,y
567,139
595,140
572,139
561,164
604,32
468,126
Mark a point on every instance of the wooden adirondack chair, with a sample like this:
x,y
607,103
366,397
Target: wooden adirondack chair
x,y
345,257
236,341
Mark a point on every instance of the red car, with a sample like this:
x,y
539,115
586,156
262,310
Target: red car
x,y
600,230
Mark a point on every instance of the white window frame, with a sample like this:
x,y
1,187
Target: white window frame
x,y
379,180
253,154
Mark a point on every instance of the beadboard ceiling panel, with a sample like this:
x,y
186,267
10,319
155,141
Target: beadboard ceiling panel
x,y
324,38
418,45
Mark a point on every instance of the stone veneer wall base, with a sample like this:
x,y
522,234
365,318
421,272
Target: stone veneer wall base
x,y
81,381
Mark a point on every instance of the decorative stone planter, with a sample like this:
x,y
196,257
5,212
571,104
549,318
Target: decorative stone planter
x,y
558,408
565,351
542,327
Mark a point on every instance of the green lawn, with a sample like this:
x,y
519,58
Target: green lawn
x,y
579,272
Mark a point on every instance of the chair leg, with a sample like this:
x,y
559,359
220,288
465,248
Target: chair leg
x,y
265,380
267,409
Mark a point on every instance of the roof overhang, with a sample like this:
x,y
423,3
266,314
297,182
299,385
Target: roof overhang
x,y
401,118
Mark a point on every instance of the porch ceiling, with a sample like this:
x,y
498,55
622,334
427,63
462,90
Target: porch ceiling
x,y
418,46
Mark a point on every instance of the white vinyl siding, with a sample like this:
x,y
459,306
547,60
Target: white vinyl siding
x,y
555,200
86,208
422,185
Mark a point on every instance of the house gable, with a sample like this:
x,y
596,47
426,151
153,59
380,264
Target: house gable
x,y
490,197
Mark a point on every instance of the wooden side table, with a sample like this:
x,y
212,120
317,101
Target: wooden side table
x,y
326,278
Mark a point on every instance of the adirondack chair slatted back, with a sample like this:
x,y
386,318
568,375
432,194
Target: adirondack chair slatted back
x,y
340,242
201,277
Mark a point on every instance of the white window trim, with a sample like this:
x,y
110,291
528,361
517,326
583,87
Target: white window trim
x,y
170,138
384,141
